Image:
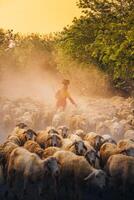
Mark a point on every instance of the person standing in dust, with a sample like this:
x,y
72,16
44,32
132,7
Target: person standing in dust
x,y
62,95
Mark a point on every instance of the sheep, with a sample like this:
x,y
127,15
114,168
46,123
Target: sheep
x,y
5,152
120,169
125,143
107,150
78,122
20,128
94,140
18,139
50,152
58,118
127,146
54,140
77,147
102,128
34,147
80,133
66,142
79,167
117,130
42,136
129,134
130,119
30,167
41,139
30,134
74,138
108,138
51,130
63,131
92,157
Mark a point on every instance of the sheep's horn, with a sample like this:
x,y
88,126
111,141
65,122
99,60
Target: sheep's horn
x,y
89,176
72,144
49,138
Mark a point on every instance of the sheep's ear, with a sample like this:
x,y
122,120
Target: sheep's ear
x,y
56,132
132,140
89,176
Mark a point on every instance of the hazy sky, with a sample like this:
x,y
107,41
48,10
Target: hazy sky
x,y
37,15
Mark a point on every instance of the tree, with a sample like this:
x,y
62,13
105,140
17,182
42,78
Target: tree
x,y
103,35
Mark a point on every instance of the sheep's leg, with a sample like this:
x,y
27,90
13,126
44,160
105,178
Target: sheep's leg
x,y
25,184
40,188
10,177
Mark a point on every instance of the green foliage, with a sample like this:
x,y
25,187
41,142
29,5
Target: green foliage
x,y
104,36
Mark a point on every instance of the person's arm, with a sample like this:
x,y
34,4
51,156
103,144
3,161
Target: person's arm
x,y
71,100
57,94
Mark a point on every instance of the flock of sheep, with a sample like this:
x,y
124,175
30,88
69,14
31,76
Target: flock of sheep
x,y
83,154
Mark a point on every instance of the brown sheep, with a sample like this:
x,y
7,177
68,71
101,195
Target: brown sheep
x,y
34,147
50,152
74,137
54,140
30,134
80,133
5,151
66,142
20,128
94,140
91,155
107,150
121,170
78,122
30,167
78,167
129,134
108,138
18,139
63,131
41,139
77,147
42,136
125,143
21,136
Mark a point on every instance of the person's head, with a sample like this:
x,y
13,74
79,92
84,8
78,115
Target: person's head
x,y
65,83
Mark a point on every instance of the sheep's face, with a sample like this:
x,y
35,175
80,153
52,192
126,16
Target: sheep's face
x,y
129,152
98,142
63,131
100,179
80,147
91,157
53,166
97,178
54,141
30,134
80,133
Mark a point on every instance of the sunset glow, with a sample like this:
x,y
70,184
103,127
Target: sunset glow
x,y
42,16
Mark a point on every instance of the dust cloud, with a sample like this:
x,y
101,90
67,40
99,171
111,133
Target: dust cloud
x,y
42,83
